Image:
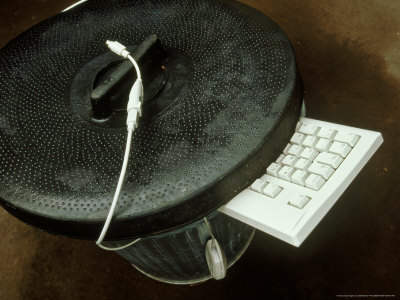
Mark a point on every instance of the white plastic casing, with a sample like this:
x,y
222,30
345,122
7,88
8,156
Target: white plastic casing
x,y
291,224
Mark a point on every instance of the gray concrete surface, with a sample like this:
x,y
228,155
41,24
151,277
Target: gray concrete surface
x,y
349,56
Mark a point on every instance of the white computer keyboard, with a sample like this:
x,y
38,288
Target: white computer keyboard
x,y
305,181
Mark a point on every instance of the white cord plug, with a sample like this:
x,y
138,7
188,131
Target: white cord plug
x,y
118,48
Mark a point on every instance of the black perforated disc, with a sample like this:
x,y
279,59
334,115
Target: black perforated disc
x,y
232,114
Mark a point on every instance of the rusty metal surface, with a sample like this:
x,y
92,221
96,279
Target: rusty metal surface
x,y
348,56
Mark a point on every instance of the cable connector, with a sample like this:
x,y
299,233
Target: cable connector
x,y
134,107
136,97
132,119
118,48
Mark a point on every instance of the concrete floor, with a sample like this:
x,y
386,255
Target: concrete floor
x,y
348,54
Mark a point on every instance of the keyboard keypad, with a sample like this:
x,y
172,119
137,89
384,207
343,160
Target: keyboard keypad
x,y
289,200
313,155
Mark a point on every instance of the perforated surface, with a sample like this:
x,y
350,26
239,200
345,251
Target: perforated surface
x,y
59,171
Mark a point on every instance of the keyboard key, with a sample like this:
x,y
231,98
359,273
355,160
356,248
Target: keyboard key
x,y
286,150
298,200
273,169
299,177
302,164
289,160
295,150
309,154
258,185
286,173
280,158
310,141
310,129
315,182
272,190
297,138
327,133
329,159
323,145
350,139
340,148
320,169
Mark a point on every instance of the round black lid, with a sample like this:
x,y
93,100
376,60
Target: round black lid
x,y
234,97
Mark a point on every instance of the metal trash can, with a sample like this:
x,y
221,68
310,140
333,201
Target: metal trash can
x,y
222,98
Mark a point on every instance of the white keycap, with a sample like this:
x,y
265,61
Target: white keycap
x,y
285,151
323,145
280,158
315,182
320,169
295,150
310,129
298,125
302,164
310,141
273,169
258,185
327,133
309,154
289,160
299,177
340,148
286,173
349,138
297,138
298,200
332,160
272,190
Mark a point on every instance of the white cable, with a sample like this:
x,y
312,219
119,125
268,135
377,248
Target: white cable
x,y
118,190
73,5
134,112
119,248
139,75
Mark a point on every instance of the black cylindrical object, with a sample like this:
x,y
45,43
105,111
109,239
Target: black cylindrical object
x,y
223,112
